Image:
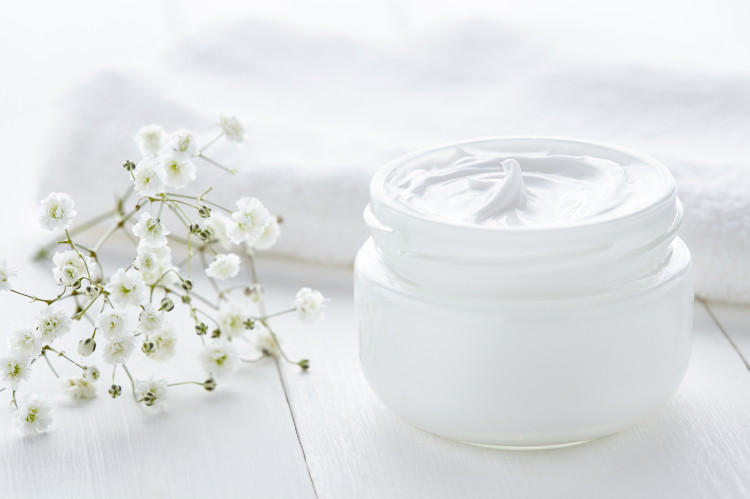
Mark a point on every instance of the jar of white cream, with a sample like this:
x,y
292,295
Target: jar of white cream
x,y
524,291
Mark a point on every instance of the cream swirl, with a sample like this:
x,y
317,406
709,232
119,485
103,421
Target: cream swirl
x,y
524,190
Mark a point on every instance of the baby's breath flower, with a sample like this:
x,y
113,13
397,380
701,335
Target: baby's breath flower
x,y
220,358
224,266
151,231
149,177
231,318
164,342
52,324
14,368
183,144
70,267
150,139
232,128
6,272
209,384
115,391
269,236
155,264
218,224
86,346
91,373
117,349
150,320
266,342
78,387
126,288
309,305
111,322
34,416
24,340
56,211
153,392
249,221
179,172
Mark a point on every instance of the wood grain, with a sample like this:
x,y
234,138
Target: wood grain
x,y
735,323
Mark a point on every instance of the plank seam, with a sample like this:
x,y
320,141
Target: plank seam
x,y
294,423
724,332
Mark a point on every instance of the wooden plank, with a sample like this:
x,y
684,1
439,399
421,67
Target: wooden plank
x,y
238,441
698,445
734,320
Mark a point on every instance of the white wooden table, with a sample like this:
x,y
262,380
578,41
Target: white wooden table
x,y
274,431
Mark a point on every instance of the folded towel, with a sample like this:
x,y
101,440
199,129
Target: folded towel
x,y
323,113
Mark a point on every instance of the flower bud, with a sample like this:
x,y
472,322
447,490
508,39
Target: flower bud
x,y
201,329
194,228
187,284
215,333
86,347
186,299
91,290
77,285
209,384
167,305
91,372
129,165
115,391
206,235
250,324
149,399
304,364
279,219
148,347
204,211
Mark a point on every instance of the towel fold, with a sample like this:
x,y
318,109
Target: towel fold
x,y
323,113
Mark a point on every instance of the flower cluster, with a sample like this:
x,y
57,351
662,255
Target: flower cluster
x,y
129,308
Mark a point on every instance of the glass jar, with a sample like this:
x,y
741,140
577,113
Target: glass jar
x,y
563,316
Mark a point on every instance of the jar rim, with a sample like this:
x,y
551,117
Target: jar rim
x,y
380,200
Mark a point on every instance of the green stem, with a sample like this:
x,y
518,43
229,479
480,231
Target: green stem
x,y
44,354
61,354
210,143
132,383
186,383
76,230
233,171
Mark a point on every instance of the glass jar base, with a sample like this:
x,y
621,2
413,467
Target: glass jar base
x,y
527,447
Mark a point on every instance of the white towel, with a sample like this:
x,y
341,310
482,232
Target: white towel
x,y
323,113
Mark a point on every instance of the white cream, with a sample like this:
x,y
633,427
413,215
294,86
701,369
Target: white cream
x,y
524,190
524,291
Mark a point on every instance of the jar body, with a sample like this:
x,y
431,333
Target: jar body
x,y
543,334
523,372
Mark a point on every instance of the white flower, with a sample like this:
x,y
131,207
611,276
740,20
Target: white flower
x,y
153,392
86,346
150,139
78,387
153,263
269,237
150,320
164,342
24,340
219,224
249,222
52,323
126,288
151,231
117,349
232,128
56,211
219,358
231,318
183,143
34,416
266,342
14,368
70,267
90,373
111,322
309,305
6,272
179,172
224,266
149,177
